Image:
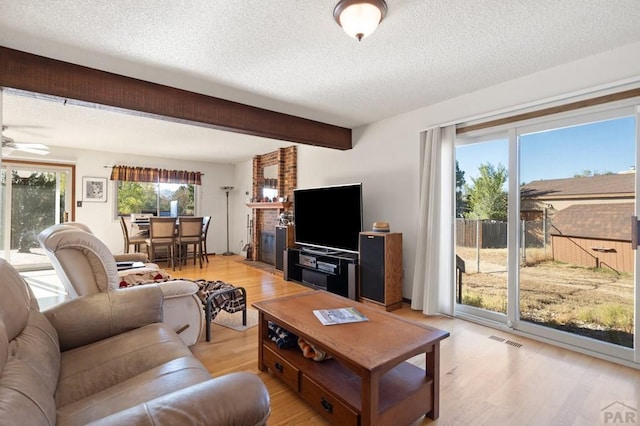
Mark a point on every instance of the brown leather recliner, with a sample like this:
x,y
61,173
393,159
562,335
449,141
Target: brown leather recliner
x,y
85,266
107,359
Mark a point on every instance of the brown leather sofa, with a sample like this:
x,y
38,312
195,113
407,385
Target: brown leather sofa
x,y
107,359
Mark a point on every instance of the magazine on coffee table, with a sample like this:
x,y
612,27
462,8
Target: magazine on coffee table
x,y
339,316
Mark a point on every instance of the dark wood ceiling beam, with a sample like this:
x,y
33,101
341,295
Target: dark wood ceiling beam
x,y
37,74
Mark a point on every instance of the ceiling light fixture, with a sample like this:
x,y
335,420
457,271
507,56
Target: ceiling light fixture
x,y
359,18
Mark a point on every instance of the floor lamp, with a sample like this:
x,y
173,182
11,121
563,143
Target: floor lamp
x,y
227,189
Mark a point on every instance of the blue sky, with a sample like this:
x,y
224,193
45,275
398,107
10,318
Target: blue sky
x,y
602,147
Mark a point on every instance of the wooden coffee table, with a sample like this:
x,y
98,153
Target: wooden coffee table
x,y
367,381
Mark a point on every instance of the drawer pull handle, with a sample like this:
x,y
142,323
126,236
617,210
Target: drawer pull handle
x,y
328,407
278,366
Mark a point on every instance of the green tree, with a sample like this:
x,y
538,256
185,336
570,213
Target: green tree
x,y
486,198
134,197
461,202
589,173
139,197
32,209
185,197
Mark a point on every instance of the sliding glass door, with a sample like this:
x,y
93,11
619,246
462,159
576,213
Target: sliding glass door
x,y
481,226
577,196
555,259
33,198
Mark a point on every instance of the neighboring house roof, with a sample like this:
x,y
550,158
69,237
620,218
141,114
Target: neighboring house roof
x,y
606,221
615,185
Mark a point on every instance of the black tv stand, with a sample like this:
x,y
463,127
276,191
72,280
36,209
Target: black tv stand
x,y
330,270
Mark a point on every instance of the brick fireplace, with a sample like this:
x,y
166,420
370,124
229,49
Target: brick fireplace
x,y
266,212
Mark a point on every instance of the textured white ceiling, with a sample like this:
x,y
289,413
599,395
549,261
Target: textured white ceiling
x,y
290,56
31,120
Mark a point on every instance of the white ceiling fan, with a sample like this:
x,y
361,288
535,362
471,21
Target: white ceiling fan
x,y
9,145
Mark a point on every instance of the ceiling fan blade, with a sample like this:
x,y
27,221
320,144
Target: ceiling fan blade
x,y
33,150
9,145
24,146
7,141
22,126
6,151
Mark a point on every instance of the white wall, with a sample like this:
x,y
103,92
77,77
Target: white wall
x,y
101,217
241,195
385,154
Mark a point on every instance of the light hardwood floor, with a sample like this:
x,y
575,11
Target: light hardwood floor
x,y
483,381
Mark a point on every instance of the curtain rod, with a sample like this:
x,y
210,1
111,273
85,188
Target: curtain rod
x,y
599,100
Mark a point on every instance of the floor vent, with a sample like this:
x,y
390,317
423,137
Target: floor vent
x,y
508,342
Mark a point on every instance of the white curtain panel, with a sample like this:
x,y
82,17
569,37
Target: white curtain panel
x,y
433,285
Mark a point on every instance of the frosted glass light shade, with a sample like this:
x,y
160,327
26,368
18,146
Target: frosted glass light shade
x,y
359,18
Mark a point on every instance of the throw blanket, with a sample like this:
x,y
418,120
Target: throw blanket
x,y
142,276
230,301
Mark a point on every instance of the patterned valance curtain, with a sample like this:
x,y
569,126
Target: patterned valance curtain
x,y
134,174
148,174
179,176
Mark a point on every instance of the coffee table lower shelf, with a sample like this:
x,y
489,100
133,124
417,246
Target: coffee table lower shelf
x,y
335,391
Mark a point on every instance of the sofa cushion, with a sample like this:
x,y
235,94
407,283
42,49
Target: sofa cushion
x,y
93,368
80,258
98,316
22,396
15,302
233,399
37,347
29,354
161,380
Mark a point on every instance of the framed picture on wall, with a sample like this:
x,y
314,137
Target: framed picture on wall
x,y
94,189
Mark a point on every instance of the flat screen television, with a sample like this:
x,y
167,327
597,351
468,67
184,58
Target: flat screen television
x,y
329,217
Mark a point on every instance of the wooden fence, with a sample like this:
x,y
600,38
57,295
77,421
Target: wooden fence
x,y
493,234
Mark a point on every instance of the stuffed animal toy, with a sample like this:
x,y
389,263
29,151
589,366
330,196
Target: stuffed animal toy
x,y
310,351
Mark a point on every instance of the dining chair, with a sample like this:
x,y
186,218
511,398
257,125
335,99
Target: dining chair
x,y
135,240
189,234
162,233
206,220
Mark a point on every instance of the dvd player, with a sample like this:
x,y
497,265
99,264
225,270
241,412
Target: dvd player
x,y
326,267
308,261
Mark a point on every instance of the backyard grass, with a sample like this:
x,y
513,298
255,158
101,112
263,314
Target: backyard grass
x,y
597,303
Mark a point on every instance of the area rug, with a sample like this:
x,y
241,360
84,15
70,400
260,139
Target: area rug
x,y
234,321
